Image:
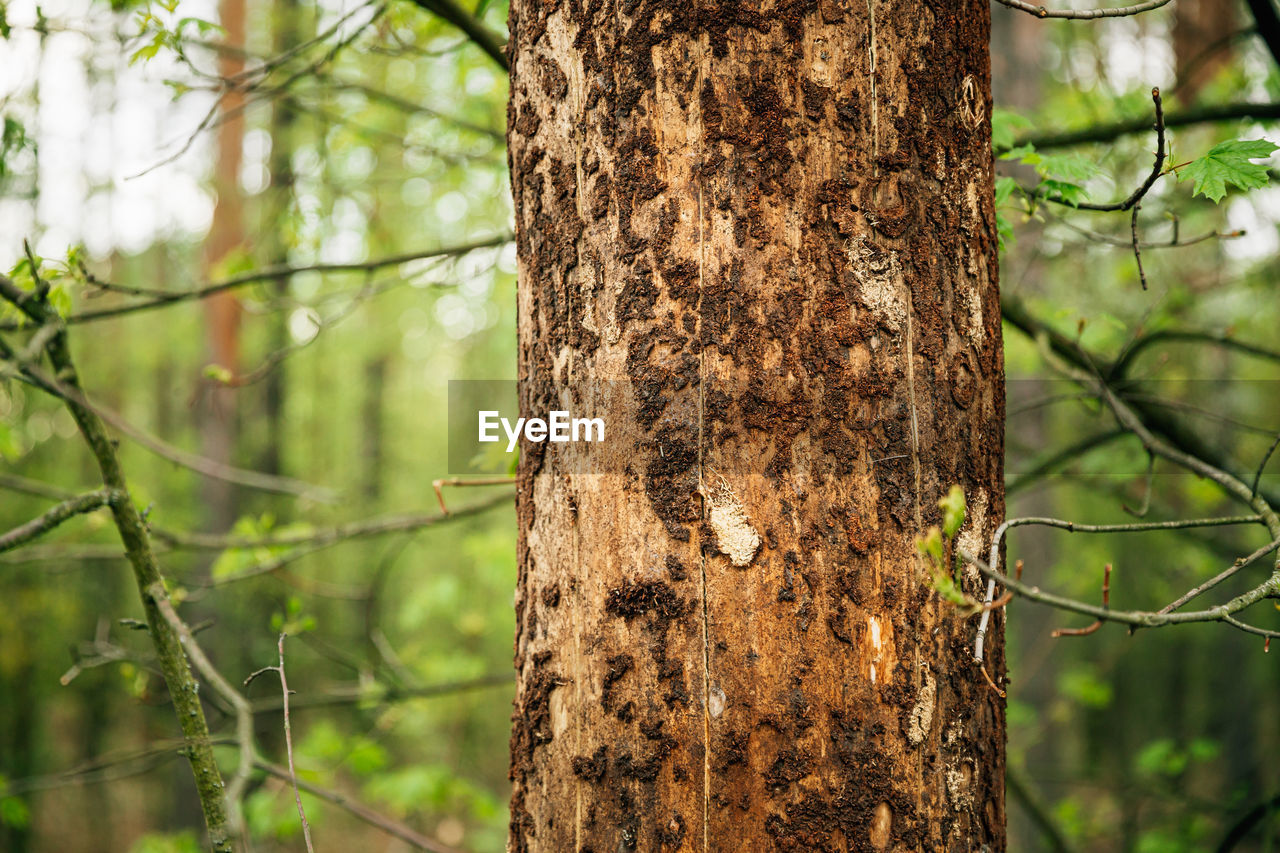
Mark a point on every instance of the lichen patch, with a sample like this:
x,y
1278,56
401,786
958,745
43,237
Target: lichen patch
x,y
972,536
878,276
716,702
735,537
921,719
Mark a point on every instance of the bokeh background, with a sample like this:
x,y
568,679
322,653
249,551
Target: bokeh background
x,y
361,132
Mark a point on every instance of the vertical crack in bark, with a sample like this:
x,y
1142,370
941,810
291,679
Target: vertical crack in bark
x,y
577,685
702,556
871,55
915,419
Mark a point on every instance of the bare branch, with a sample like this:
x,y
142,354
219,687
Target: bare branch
x,y
1083,14
73,395
57,515
453,12
35,488
1239,564
239,705
288,745
274,273
1111,131
1074,527
183,690
357,693
459,482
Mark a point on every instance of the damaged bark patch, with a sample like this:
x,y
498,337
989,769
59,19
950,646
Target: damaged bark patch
x,y
735,537
921,720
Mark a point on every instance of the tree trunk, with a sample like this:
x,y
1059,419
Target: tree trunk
x,y
217,411
1202,43
774,229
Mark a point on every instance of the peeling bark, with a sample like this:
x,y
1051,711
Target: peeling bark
x,y
774,228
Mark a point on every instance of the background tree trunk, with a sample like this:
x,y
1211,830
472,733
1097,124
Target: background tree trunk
x,y
217,410
773,227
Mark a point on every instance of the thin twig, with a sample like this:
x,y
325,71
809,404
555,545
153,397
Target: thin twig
x,y
439,485
288,745
1110,131
1134,201
1257,475
1141,511
41,525
363,812
35,488
1083,14
73,395
1239,564
1106,602
1074,527
275,273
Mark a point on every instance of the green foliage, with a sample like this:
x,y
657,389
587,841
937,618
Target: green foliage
x,y
953,509
1005,125
1005,188
271,812
1062,175
13,138
167,842
1229,163
292,619
433,789
158,30
1081,684
14,811
1164,757
233,561
937,543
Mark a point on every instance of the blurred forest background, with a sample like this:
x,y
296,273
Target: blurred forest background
x,y
341,166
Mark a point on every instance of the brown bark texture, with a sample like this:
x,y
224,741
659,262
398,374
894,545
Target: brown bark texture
x,y
759,240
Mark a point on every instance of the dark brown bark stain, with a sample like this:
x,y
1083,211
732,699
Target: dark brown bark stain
x,y
789,260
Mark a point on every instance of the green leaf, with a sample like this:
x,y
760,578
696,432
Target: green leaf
x,y
1066,167
148,51
1004,125
1064,191
952,507
1004,189
1229,163
930,545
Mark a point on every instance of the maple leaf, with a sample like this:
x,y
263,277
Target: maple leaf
x,y
1229,163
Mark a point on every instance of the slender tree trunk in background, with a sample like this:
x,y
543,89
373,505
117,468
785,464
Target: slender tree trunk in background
x,y
1200,47
775,226
276,232
217,409
1017,47
373,426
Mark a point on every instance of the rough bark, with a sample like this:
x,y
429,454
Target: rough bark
x,y
773,227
